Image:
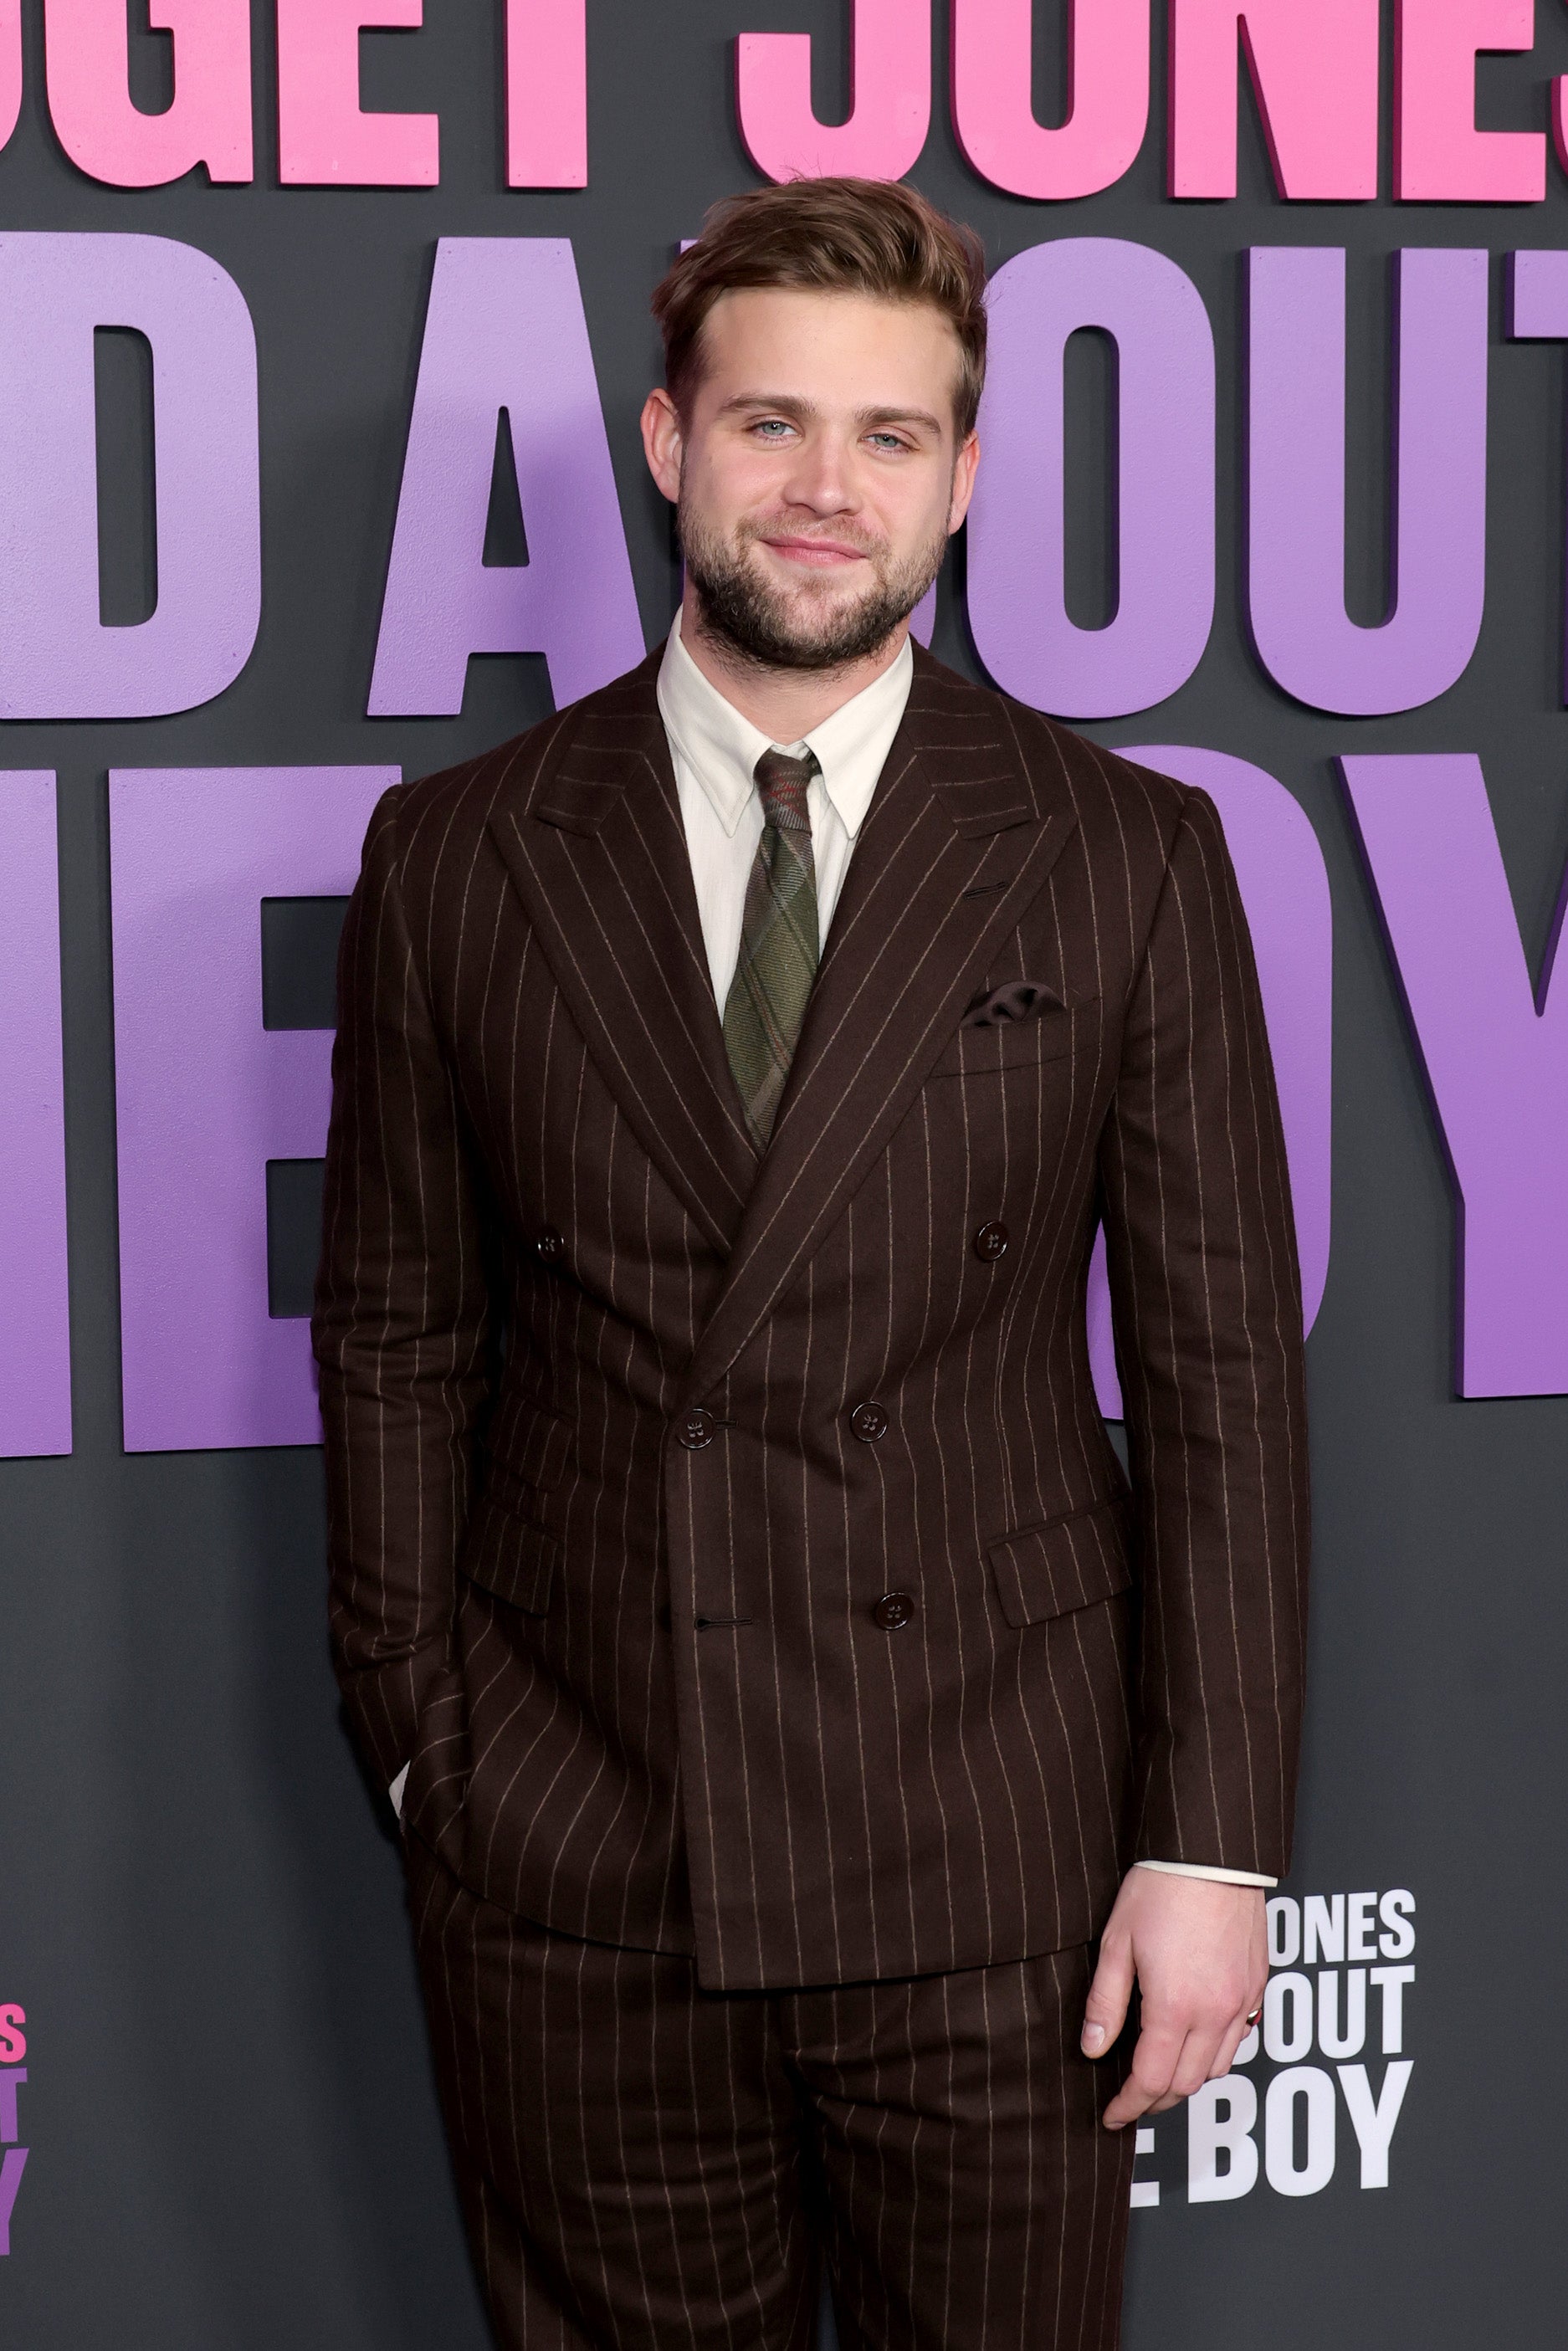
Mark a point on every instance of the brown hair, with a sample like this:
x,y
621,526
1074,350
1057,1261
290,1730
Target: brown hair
x,y
839,235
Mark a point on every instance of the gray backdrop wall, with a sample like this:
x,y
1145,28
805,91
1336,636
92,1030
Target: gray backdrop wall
x,y
228,2112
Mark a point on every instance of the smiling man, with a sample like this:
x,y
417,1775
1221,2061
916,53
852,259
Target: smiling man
x,y
804,1733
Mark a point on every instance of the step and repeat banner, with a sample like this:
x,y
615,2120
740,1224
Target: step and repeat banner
x,y
323,333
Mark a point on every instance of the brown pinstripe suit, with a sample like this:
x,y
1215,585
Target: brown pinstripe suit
x,y
608,1522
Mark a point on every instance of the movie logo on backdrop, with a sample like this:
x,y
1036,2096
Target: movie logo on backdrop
x,y
506,337
219,1094
12,2080
1317,2089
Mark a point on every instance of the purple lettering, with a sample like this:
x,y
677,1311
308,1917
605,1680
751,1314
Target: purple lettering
x,y
1284,887
1538,304
1495,1051
206,1096
11,2172
11,2080
57,659
1018,610
506,330
34,1319
1304,636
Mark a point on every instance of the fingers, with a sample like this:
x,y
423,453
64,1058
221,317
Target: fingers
x,y
1197,1949
1171,2061
1167,2066
1106,2010
1230,2042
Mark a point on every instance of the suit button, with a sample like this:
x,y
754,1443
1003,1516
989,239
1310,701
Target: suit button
x,y
869,1422
550,1248
990,1243
696,1430
892,1611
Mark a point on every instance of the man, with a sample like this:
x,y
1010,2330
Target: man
x,y
732,1574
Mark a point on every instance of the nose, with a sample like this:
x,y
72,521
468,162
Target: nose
x,y
823,476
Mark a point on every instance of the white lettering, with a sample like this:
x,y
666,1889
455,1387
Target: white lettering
x,y
1399,1937
1286,2042
1284,1931
1316,2089
1330,2041
1391,1983
1146,2192
1323,1935
1374,2118
1359,1943
1219,2119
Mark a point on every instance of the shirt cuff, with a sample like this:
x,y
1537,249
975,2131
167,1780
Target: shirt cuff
x,y
1201,1869
395,1792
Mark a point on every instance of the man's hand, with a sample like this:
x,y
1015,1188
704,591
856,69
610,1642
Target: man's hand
x,y
1199,1950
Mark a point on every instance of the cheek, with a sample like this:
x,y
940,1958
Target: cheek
x,y
737,479
912,508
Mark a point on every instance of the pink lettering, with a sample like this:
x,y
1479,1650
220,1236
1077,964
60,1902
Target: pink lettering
x,y
1315,72
89,98
10,67
1439,156
888,119
323,137
546,94
1108,107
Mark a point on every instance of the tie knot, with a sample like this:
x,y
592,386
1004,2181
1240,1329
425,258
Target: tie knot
x,y
782,782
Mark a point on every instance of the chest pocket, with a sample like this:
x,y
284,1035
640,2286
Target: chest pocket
x,y
1044,1036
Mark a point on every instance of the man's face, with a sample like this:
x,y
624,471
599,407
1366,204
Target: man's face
x,y
816,472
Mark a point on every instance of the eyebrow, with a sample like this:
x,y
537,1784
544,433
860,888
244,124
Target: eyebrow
x,y
869,419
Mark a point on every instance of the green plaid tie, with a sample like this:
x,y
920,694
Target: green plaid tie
x,y
778,943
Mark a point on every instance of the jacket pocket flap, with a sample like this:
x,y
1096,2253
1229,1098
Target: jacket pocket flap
x,y
530,1441
510,1557
1064,1564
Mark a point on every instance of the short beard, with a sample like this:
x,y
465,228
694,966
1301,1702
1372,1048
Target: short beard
x,y
752,622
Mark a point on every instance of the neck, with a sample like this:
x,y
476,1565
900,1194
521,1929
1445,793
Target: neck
x,y
782,704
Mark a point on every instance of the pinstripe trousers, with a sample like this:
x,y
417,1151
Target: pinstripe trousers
x,y
644,2163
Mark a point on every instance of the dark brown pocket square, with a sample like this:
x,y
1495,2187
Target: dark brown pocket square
x,y
1020,999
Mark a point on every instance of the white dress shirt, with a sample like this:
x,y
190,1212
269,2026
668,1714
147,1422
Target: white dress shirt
x,y
714,752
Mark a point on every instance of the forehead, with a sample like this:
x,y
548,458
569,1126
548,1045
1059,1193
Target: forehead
x,y
840,350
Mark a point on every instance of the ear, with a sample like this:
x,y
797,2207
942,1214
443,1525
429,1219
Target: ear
x,y
663,442
965,466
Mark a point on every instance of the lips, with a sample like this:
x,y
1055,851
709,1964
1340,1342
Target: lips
x,y
823,552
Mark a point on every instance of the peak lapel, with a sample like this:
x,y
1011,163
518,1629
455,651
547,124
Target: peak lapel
x,y
957,839
598,853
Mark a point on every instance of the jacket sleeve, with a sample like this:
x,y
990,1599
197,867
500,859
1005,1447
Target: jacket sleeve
x,y
402,1326
1205,1295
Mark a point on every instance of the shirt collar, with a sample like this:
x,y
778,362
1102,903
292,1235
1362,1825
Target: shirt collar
x,y
721,747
